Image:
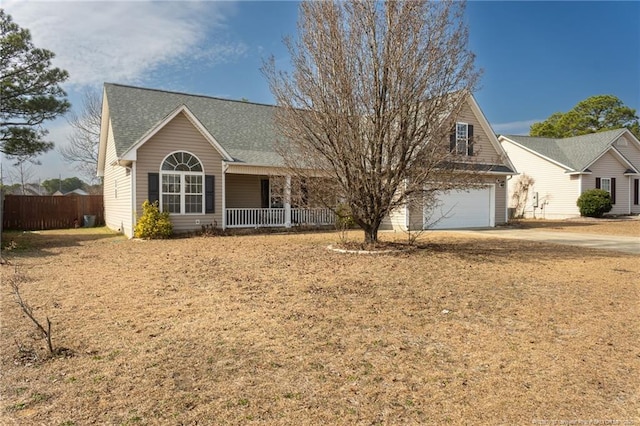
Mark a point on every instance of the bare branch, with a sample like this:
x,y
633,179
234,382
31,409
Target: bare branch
x,y
371,101
15,282
82,147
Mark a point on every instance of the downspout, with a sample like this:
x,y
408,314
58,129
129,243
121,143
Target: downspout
x,y
630,184
580,176
134,218
224,169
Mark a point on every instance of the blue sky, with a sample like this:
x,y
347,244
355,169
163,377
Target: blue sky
x,y
538,57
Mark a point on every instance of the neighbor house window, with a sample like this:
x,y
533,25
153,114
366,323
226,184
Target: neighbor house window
x,y
609,185
182,184
461,141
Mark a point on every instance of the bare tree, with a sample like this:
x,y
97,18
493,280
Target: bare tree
x,y
82,147
16,280
23,172
371,102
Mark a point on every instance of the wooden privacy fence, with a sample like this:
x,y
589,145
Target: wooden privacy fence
x,y
32,212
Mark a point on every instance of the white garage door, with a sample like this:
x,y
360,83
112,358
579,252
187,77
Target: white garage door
x,y
464,209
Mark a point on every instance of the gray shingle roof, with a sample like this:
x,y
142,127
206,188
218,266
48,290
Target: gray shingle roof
x,y
576,152
245,130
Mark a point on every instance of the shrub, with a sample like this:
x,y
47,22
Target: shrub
x,y
153,223
594,203
344,219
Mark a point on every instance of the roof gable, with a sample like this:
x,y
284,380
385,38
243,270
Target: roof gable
x,y
131,153
242,131
575,153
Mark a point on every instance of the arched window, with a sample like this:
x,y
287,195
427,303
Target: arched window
x,y
182,178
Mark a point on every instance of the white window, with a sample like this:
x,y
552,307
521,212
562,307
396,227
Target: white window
x,y
605,183
462,138
182,184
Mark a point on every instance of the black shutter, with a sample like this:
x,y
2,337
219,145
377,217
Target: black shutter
x,y
154,187
470,140
636,191
264,194
597,183
613,190
452,141
209,194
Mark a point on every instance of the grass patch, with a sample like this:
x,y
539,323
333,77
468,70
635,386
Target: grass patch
x,y
276,329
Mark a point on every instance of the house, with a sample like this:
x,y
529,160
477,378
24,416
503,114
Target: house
x,y
482,206
562,169
28,189
210,161
76,191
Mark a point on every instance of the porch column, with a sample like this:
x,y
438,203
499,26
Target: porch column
x,y
287,201
223,196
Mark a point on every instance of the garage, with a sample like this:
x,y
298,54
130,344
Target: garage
x,y
473,208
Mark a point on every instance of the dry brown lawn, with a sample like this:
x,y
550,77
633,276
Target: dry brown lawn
x,y
276,329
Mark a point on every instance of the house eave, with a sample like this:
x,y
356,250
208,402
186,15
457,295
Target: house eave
x,y
484,123
577,173
104,127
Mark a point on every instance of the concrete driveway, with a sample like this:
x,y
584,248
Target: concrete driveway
x,y
606,242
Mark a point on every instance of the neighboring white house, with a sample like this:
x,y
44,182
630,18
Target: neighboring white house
x,y
210,161
562,169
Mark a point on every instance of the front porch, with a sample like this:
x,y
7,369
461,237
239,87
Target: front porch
x,y
260,201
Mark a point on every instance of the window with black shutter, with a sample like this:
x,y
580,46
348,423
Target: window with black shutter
x,y
180,186
461,139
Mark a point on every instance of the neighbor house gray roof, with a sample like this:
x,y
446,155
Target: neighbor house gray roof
x,y
577,152
245,130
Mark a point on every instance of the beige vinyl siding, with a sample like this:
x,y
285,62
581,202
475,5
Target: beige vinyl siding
x,y
608,166
483,149
117,192
557,190
180,135
395,221
631,152
243,191
501,200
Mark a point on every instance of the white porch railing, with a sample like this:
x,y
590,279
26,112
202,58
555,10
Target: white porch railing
x,y
312,217
256,218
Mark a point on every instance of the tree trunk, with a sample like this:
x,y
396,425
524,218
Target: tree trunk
x,y
371,234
